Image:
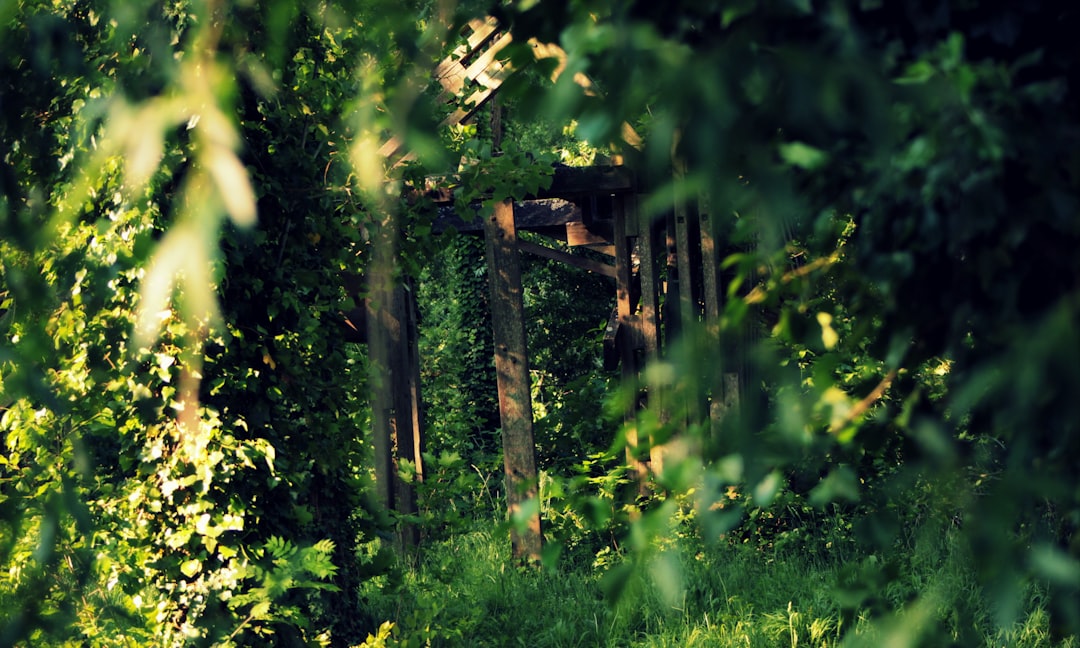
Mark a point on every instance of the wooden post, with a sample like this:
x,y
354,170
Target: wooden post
x,y
381,324
686,240
406,431
512,370
395,386
627,341
416,401
725,386
649,252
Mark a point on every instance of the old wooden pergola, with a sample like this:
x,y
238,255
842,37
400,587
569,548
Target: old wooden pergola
x,y
674,258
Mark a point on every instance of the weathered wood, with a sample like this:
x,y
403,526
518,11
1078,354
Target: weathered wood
x,y
452,73
382,328
528,215
725,391
627,338
649,253
416,402
649,273
396,420
688,245
581,262
568,182
512,371
405,437
577,234
710,262
683,244
611,341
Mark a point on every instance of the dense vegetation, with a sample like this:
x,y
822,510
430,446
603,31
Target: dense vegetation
x,y
186,435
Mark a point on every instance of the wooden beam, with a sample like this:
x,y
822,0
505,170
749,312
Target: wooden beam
x,y
571,259
578,234
528,215
512,375
568,182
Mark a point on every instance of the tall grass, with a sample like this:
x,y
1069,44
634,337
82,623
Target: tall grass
x,y
466,592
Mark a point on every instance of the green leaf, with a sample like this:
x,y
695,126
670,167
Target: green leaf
x,y
803,155
191,567
916,73
840,484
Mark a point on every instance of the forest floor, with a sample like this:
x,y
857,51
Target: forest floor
x,y
465,591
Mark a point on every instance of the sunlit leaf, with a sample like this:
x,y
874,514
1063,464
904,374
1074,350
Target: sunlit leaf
x,y
803,155
232,182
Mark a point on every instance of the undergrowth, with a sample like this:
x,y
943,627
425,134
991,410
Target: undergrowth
x,y
466,591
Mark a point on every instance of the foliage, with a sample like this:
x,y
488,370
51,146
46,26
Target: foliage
x,y
175,471
719,595
896,186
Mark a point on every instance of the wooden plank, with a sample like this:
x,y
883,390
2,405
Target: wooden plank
x,y
574,260
512,375
451,72
482,29
486,60
451,76
455,75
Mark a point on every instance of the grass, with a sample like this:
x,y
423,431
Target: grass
x,y
465,592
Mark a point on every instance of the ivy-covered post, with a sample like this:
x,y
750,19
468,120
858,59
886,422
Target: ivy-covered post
x,y
395,403
512,371
383,328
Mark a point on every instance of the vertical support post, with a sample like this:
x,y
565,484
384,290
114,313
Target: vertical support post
x,y
395,391
650,288
710,262
416,401
627,337
725,393
687,232
649,251
406,430
684,243
512,370
381,324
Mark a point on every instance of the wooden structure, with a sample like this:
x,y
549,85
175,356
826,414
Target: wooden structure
x,y
673,260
